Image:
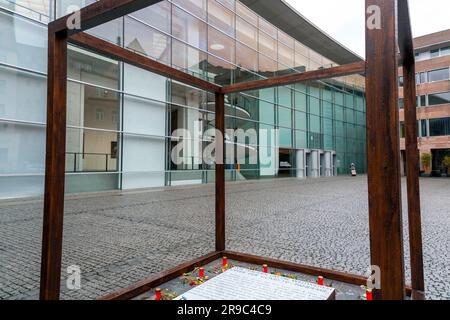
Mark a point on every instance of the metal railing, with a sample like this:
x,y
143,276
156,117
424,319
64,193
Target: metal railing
x,y
80,157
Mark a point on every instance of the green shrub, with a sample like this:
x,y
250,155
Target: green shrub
x,y
426,160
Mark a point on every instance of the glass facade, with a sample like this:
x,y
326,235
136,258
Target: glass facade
x,y
121,120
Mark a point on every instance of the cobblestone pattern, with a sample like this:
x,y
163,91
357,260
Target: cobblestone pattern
x,y
118,239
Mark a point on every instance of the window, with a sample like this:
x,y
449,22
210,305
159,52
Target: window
x,y
402,130
439,75
438,98
99,115
189,29
445,51
401,81
423,77
434,53
421,101
440,127
401,103
423,124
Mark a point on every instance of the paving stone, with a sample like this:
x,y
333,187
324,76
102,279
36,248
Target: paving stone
x,y
118,239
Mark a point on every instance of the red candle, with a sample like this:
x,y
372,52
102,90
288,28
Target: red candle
x,y
369,295
320,281
201,273
158,294
224,262
265,268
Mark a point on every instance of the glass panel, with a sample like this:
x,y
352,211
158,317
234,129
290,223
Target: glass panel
x,y
188,96
267,28
246,107
157,15
300,100
230,4
221,45
92,107
285,39
146,40
267,45
111,31
301,139
90,151
189,59
23,96
284,117
246,14
189,29
92,68
22,149
286,55
219,71
285,138
246,57
40,10
445,51
439,75
285,96
440,127
246,33
300,121
327,109
438,98
23,43
267,66
314,106
196,7
221,18
266,105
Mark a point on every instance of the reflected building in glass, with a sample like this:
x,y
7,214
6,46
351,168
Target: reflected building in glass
x,y
121,119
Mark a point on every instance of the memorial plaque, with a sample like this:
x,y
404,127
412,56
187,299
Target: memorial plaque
x,y
244,284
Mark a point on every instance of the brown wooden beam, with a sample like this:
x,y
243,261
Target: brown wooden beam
x,y
161,278
383,148
344,70
412,151
412,176
405,39
118,53
295,267
54,168
220,172
98,13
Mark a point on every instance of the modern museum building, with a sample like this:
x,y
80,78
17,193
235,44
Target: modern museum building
x,y
121,120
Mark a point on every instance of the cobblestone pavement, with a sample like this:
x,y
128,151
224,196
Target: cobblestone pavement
x,y
118,239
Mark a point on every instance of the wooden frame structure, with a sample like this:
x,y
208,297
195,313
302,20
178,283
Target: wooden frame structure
x,y
388,28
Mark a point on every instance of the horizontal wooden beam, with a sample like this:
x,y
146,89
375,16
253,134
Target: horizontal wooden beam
x,y
118,53
96,14
309,270
405,38
344,70
304,269
161,278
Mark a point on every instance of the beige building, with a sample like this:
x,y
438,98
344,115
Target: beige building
x,y
433,100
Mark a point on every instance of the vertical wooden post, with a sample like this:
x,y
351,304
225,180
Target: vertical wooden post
x,y
220,172
412,172
383,148
54,167
412,149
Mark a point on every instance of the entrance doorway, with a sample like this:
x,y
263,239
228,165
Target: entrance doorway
x,y
438,157
286,163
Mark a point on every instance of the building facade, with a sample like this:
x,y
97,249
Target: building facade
x,y
121,119
433,101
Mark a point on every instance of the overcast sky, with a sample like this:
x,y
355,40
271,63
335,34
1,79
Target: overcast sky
x,y
344,20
